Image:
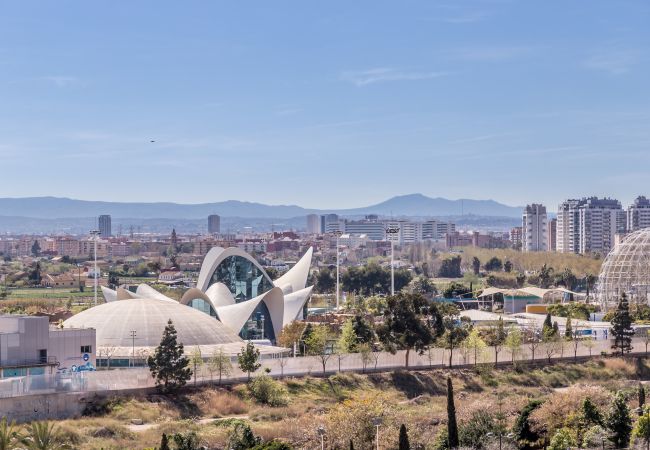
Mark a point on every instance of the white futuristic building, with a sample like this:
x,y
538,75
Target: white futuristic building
x,y
235,290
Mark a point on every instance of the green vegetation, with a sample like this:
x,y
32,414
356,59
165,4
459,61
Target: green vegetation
x,y
168,364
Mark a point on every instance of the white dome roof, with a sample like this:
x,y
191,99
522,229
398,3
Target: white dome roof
x,y
627,269
114,322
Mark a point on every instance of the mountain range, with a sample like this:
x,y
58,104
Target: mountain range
x,y
412,205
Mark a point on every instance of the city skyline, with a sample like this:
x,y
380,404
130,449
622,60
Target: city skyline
x,y
331,100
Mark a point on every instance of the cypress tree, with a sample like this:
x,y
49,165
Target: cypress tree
x,y
168,364
568,329
641,394
351,445
403,438
525,437
622,327
556,329
164,442
619,422
547,322
452,426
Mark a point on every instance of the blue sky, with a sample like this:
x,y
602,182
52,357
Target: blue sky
x,y
325,104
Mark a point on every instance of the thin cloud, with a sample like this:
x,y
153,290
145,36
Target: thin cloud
x,y
616,62
385,74
61,80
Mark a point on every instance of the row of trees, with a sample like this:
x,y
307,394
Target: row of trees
x,y
370,279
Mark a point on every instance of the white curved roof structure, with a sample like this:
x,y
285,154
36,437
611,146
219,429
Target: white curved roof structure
x,y
296,278
241,293
148,317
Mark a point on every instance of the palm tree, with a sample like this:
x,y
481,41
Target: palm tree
x,y
43,436
8,434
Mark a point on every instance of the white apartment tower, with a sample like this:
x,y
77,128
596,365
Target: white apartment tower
x,y
589,225
534,228
313,224
638,214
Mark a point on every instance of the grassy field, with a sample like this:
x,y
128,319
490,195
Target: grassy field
x,y
53,293
345,405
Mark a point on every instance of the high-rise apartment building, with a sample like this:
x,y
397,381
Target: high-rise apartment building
x,y
313,224
214,224
589,225
104,224
515,237
552,235
534,229
638,214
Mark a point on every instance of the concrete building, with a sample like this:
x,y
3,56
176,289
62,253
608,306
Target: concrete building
x,y
104,223
370,226
329,223
214,224
638,214
552,235
313,224
516,237
589,225
29,346
534,229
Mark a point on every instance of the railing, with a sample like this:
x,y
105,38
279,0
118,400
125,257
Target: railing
x,y
140,377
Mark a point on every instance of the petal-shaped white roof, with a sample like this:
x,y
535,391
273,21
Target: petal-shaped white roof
x,y
146,291
214,257
109,294
235,316
293,304
220,295
296,278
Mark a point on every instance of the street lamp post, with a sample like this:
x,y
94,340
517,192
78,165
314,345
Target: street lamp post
x,y
391,232
321,432
95,234
337,233
376,422
133,335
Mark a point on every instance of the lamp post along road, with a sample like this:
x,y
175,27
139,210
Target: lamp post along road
x,y
95,234
376,422
337,233
391,232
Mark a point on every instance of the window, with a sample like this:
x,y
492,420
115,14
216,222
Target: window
x,y
244,279
42,355
86,349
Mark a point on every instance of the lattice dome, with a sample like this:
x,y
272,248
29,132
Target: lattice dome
x,y
626,269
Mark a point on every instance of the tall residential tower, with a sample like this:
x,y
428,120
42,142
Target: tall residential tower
x,y
534,229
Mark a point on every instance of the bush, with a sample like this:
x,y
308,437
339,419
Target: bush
x,y
564,438
473,433
267,391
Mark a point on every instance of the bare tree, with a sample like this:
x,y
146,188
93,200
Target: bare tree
x,y
107,353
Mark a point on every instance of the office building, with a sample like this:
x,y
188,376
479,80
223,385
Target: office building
x,y
214,224
329,223
534,229
313,224
589,225
373,228
638,214
104,223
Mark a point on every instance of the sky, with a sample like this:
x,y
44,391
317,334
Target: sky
x,y
330,104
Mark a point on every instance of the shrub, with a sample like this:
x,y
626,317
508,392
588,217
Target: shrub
x,y
267,391
473,433
564,438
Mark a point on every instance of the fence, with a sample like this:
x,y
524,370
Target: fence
x,y
140,378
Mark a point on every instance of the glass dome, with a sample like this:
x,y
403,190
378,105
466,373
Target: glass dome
x,y
626,269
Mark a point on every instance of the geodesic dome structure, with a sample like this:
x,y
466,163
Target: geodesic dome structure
x,y
626,269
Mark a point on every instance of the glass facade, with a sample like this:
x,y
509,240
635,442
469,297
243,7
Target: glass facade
x,y
203,306
258,325
244,279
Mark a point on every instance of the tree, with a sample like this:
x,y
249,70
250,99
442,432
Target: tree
x,y
496,337
291,334
404,327
8,434
642,428
450,267
513,342
248,359
36,249
196,360
347,342
476,265
365,352
589,413
324,281
568,329
403,438
507,267
475,344
619,422
423,286
641,396
168,364
164,442
242,438
319,344
363,330
525,436
43,436
545,276
452,426
455,332
532,338
494,264
220,363
547,326
622,327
